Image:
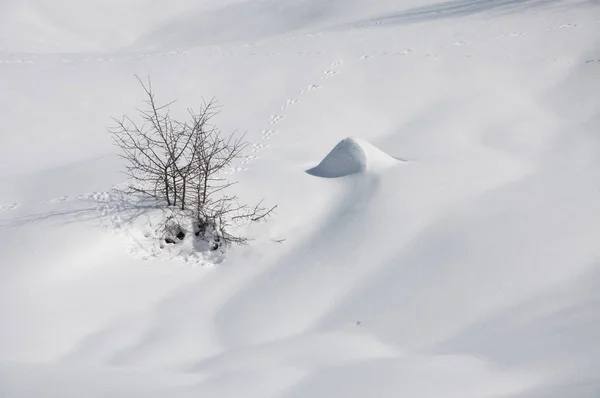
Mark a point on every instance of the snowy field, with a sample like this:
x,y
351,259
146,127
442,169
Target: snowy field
x,y
450,248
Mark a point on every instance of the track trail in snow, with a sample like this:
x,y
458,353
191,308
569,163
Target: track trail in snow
x,y
276,119
442,275
334,69
274,124
108,203
219,51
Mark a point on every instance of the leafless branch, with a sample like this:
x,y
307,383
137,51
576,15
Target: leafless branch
x,y
181,164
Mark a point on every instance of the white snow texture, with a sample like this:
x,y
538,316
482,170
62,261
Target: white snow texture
x,y
436,166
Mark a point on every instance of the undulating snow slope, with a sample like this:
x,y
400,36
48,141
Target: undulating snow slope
x,y
454,250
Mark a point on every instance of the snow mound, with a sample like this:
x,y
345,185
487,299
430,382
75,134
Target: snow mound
x,y
352,156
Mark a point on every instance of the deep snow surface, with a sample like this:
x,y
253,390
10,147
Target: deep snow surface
x,y
455,254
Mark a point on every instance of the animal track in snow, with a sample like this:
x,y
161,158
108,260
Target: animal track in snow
x,y
16,61
235,170
292,38
310,88
511,34
308,53
593,61
396,53
276,119
258,147
327,74
289,103
563,26
11,206
60,199
248,159
406,51
268,133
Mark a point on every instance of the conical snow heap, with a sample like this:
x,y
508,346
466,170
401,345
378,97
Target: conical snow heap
x,y
352,156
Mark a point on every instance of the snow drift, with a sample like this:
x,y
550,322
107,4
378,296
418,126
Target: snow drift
x,y
352,156
473,272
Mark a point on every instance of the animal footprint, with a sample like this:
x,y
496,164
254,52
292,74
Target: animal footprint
x,y
310,88
248,159
336,64
276,119
593,61
289,103
235,170
268,133
328,74
459,43
366,56
563,26
406,51
257,147
58,200
11,206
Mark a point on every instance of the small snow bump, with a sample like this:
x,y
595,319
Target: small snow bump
x,y
352,156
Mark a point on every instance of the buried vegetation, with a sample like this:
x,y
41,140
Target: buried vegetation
x,y
180,164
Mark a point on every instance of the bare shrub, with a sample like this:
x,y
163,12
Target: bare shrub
x,y
181,165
